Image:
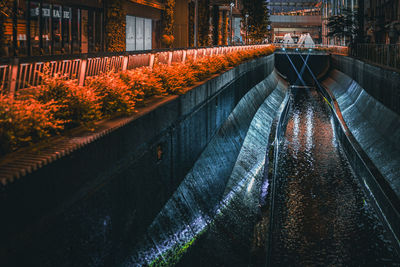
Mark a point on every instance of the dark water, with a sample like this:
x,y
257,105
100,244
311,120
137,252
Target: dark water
x,y
321,216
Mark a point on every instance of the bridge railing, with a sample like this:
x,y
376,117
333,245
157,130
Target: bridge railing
x,y
381,54
331,49
24,72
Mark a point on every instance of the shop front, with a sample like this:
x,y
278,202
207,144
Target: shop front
x,y
39,28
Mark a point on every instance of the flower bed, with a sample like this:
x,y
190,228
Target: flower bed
x,y
58,105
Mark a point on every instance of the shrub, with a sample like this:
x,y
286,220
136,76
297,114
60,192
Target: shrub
x,y
46,110
142,83
23,122
115,98
176,78
75,105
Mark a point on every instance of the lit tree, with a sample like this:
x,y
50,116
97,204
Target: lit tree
x,y
115,27
168,20
5,12
344,25
204,23
258,20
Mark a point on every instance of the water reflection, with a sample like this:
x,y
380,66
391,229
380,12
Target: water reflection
x,y
322,217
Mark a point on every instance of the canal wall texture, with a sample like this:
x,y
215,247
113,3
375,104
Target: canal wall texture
x,y
90,207
225,182
375,127
380,83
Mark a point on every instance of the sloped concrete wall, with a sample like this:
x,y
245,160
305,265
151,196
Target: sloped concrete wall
x,y
89,208
380,83
220,175
376,129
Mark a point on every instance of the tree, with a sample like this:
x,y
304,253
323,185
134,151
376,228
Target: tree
x,y
204,23
344,25
258,20
115,27
168,22
5,12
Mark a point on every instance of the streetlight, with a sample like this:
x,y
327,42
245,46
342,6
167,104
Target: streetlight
x,y
231,26
247,26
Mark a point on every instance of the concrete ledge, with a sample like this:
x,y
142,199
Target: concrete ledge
x,y
86,205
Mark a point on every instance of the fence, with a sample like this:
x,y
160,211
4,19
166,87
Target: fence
x,y
20,73
382,54
331,49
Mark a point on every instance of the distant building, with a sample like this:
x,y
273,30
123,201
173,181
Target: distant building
x,y
296,17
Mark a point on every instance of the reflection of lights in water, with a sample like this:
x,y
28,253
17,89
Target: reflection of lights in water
x,y
296,121
296,131
334,143
310,128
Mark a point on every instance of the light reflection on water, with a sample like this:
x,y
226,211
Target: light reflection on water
x,y
322,217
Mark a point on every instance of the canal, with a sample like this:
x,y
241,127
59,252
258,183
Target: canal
x,y
321,215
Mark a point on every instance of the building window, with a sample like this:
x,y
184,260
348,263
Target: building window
x,y
50,29
138,33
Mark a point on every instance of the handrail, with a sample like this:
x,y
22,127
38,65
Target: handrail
x,y
386,55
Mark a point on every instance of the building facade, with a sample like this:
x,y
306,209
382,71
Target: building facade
x,y
296,17
68,27
55,27
381,21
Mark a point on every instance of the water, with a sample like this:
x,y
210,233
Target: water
x,y
321,216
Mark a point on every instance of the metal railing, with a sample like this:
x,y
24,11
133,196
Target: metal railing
x,y
381,54
331,49
20,73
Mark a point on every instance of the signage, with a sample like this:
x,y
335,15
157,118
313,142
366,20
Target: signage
x,y
46,13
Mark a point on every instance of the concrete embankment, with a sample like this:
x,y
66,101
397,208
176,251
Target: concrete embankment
x,y
375,128
90,207
224,183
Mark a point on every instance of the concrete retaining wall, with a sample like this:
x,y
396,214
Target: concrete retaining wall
x,y
382,84
375,151
91,206
207,189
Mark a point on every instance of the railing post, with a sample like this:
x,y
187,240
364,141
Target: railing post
x,y
184,54
13,77
169,58
82,71
195,55
151,61
125,62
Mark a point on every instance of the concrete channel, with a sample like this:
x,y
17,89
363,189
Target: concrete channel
x,y
275,163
